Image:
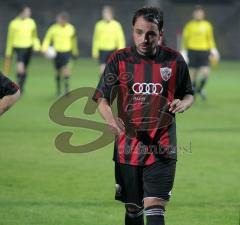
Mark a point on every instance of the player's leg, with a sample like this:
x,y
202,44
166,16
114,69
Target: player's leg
x,y
23,59
129,191
158,180
66,76
103,59
57,65
193,67
205,71
193,75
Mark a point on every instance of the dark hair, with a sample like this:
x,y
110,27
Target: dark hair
x,y
150,14
21,8
198,7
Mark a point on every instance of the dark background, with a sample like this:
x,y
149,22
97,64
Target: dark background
x,y
223,14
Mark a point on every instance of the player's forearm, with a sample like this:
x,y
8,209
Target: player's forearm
x,y
188,101
106,112
7,101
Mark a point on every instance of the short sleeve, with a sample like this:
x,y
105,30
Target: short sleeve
x,y
183,81
7,87
108,81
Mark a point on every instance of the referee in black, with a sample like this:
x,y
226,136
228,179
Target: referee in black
x,y
151,84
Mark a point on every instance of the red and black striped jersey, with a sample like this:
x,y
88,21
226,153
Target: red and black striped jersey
x,y
139,90
7,87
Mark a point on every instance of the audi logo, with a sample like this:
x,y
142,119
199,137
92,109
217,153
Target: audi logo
x,y
147,88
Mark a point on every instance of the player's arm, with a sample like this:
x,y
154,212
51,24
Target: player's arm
x,y
183,97
95,42
9,93
75,51
116,125
181,105
184,43
47,40
121,43
9,49
213,50
36,41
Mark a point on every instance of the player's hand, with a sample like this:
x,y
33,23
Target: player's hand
x,y
177,106
117,127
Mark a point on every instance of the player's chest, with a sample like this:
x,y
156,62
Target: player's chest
x,y
63,33
157,78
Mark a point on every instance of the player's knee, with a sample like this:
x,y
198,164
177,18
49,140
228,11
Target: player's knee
x,y
154,201
133,211
20,67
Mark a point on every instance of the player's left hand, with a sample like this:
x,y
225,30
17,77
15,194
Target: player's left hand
x,y
177,106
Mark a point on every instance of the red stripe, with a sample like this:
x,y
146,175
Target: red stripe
x,y
122,139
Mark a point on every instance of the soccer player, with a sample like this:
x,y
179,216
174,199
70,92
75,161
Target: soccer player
x,y
108,37
63,36
22,38
198,45
9,93
151,83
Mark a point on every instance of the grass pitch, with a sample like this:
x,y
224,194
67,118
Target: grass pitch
x,y
40,185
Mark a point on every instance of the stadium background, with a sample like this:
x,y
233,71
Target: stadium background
x,y
40,185
223,14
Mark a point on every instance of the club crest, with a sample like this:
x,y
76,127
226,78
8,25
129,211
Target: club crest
x,y
166,73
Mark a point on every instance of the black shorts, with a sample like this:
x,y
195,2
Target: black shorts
x,y
23,55
104,55
134,183
62,59
198,58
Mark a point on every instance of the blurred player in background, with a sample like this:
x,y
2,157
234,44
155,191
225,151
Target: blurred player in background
x,y
198,46
9,93
150,79
62,35
108,36
22,38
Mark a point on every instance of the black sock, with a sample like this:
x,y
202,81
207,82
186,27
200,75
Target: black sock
x,y
66,84
21,77
58,84
202,84
155,215
134,218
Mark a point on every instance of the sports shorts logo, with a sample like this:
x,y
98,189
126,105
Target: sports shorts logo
x,y
147,88
166,73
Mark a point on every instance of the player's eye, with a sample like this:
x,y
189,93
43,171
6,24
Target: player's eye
x,y
139,32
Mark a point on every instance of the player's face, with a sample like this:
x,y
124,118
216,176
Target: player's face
x,y
26,13
107,14
145,36
61,20
198,14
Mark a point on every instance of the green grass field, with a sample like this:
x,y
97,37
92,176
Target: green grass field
x,y
40,185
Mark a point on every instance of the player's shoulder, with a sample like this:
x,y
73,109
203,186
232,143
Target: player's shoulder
x,y
207,23
170,54
121,54
115,22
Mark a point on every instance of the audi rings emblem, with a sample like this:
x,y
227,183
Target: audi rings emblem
x,y
147,88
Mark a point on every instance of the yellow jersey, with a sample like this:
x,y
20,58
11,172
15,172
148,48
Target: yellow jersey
x,y
22,33
198,35
63,38
108,35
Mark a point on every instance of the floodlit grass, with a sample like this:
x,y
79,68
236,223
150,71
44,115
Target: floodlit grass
x,y
40,185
